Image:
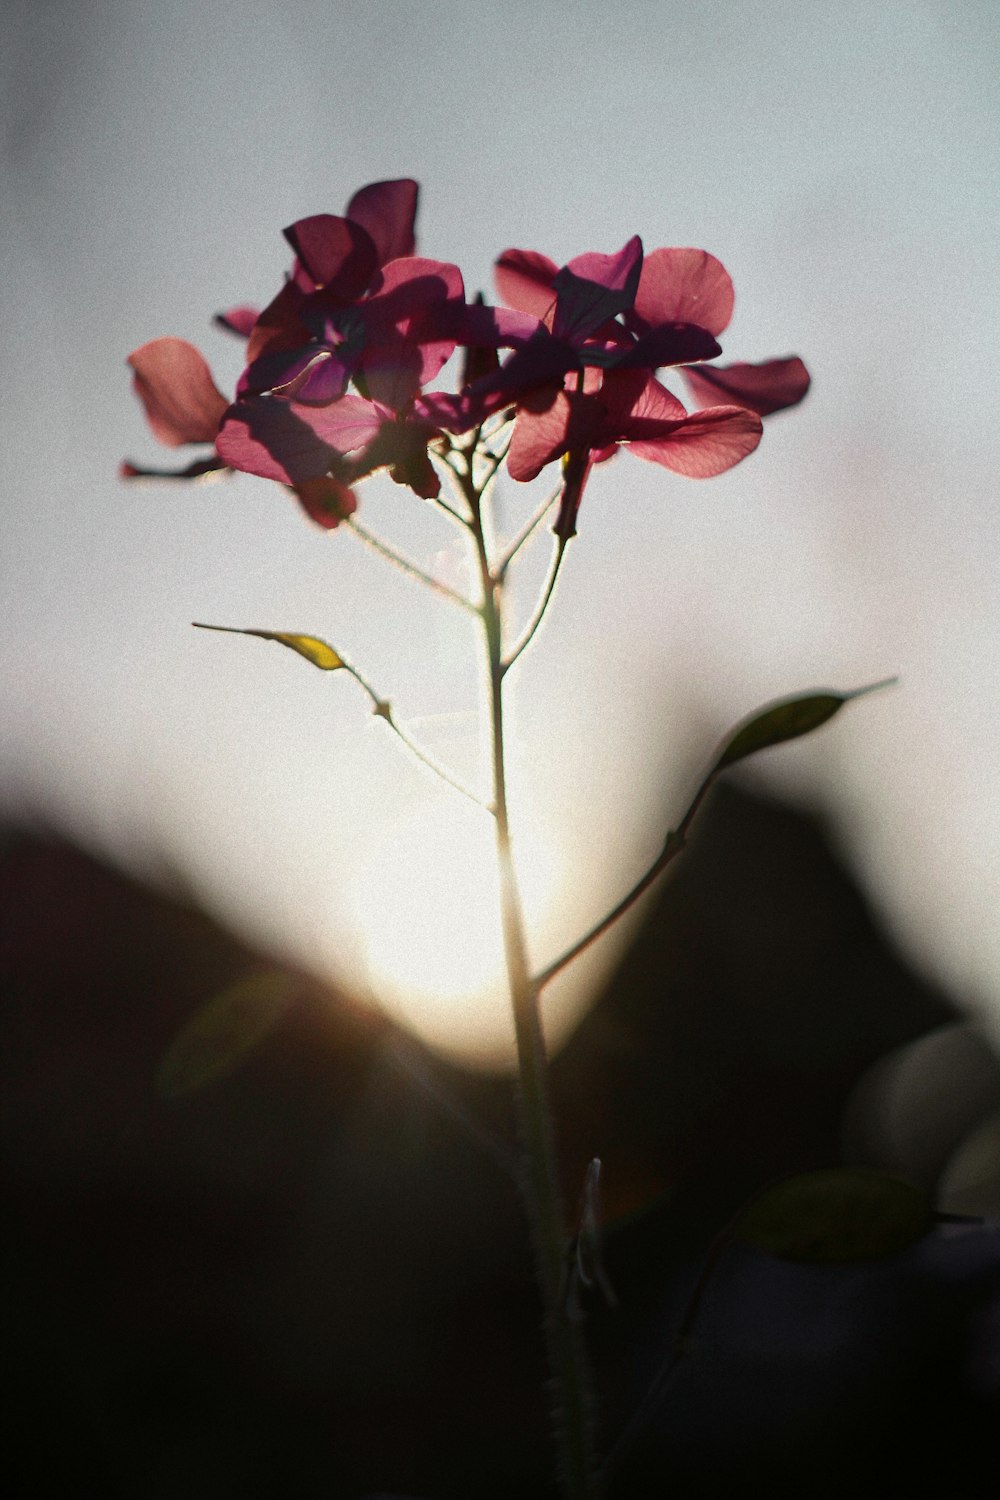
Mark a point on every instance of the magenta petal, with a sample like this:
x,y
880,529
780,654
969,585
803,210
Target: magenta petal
x,y
264,436
175,385
337,254
238,320
388,211
345,425
594,288
636,405
683,286
764,388
524,279
549,425
495,327
705,444
309,374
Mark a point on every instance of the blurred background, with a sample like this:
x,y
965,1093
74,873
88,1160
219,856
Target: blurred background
x,y
841,163
265,1241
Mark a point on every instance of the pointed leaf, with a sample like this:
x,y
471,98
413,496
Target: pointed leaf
x,y
787,720
840,1215
222,1033
310,646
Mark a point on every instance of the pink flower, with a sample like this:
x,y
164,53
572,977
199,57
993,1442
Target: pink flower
x,y
630,407
184,405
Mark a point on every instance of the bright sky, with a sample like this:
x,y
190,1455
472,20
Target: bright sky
x,y
841,161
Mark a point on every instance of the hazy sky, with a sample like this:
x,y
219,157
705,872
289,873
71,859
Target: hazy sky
x,y
841,161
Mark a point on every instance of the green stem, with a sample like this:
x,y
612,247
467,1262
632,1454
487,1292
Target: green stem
x,y
570,1404
405,566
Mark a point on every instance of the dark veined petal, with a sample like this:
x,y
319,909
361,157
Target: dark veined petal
x,y
421,302
669,344
683,286
594,288
705,444
280,325
388,211
524,279
764,388
175,385
264,436
338,254
326,500
238,320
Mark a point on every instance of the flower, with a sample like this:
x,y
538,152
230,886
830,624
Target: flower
x,y
184,405
628,407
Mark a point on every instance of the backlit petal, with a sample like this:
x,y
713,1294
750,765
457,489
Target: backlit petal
x,y
684,286
175,385
707,443
388,211
524,279
764,388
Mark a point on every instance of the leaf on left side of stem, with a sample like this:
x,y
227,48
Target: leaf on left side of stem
x,y
220,1036
310,646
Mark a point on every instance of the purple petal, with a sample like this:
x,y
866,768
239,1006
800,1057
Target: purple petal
x,y
594,288
309,374
764,388
388,211
669,344
496,327
337,254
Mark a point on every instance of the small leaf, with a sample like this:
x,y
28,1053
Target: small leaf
x,y
310,646
787,720
843,1214
222,1033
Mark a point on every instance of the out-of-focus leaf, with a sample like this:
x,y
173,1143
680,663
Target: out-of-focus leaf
x,y
786,720
222,1033
310,646
843,1214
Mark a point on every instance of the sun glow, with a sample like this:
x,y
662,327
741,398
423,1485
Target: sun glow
x,y
426,905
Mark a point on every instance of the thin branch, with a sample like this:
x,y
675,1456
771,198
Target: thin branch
x,y
543,605
382,709
676,840
525,532
410,568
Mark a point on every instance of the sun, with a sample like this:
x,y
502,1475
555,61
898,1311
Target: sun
x,y
425,903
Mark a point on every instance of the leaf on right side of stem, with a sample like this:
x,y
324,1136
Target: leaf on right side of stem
x,y
838,1215
788,719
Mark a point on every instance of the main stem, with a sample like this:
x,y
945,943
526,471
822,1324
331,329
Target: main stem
x,y
569,1386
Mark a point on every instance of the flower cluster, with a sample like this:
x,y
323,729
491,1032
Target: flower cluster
x,y
341,365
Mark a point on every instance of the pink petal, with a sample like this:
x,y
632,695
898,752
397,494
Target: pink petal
x,y
388,211
684,286
635,403
496,327
238,320
705,444
175,385
279,325
524,280
548,426
422,301
764,388
337,253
